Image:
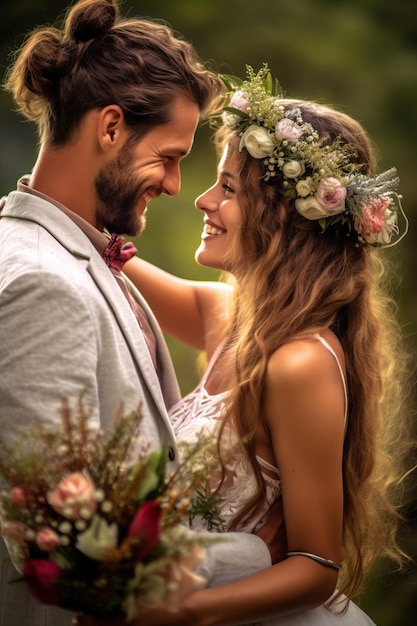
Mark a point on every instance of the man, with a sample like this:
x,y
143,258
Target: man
x,y
117,103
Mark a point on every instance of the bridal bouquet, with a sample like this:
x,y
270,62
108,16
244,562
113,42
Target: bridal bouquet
x,y
95,529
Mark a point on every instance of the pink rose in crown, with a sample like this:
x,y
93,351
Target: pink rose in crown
x,y
331,195
288,129
374,212
238,101
41,577
73,498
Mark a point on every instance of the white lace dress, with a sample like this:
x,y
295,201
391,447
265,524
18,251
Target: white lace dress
x,y
199,412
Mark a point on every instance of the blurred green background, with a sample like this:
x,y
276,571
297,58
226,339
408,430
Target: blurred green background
x,y
359,55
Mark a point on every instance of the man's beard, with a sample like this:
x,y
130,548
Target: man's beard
x,y
118,192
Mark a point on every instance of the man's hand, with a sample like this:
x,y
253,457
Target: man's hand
x,y
273,532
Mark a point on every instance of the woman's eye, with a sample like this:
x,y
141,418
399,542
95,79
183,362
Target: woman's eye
x,y
228,188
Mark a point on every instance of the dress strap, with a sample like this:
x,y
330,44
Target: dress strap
x,y
342,375
266,465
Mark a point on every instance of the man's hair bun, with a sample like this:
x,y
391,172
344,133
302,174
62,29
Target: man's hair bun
x,y
91,19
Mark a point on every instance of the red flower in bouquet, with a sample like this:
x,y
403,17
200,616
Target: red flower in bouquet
x,y
41,576
145,529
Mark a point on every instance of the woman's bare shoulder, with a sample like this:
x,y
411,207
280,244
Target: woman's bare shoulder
x,y
303,377
304,357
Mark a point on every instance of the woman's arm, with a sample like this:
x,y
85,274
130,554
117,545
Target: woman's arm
x,y
192,312
305,411
247,601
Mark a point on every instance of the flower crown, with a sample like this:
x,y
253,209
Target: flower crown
x,y
324,180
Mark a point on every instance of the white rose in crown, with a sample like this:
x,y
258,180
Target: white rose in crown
x,y
310,208
303,187
293,169
257,141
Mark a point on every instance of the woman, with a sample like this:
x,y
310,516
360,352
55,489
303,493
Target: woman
x,y
304,357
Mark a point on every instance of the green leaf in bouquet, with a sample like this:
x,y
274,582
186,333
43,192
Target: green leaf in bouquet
x,y
149,477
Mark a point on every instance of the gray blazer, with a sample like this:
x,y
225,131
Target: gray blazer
x,y
65,325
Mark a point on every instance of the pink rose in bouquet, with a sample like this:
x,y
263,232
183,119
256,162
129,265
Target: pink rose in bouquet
x,y
73,498
18,496
47,539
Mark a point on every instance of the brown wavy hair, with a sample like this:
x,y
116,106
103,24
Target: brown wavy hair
x,y
98,59
292,280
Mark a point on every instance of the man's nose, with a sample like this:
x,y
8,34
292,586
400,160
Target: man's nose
x,y
171,184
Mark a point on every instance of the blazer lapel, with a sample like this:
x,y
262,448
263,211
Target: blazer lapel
x,y
127,322
167,376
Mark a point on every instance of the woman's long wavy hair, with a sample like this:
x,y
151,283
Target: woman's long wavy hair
x,y
291,280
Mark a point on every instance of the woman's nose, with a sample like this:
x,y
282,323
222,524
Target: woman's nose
x,y
206,201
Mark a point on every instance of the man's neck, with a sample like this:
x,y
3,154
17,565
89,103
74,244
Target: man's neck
x,y
64,175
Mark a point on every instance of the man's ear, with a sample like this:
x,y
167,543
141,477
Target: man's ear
x,y
111,127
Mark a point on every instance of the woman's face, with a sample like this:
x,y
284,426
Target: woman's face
x,y
222,216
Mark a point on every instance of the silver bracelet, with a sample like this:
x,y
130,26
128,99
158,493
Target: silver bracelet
x,y
318,559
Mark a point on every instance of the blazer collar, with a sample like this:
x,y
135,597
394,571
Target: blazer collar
x,y
28,206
